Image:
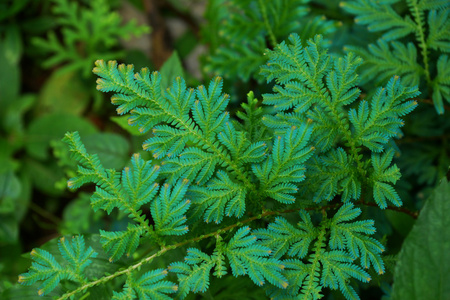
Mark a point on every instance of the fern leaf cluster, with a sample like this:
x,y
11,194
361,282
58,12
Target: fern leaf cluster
x,y
182,115
45,268
332,263
316,141
128,192
148,286
312,86
96,28
428,22
252,26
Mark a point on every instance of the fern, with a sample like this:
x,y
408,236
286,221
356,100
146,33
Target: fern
x,y
429,23
313,87
128,192
45,267
252,26
217,142
332,264
96,28
148,286
315,140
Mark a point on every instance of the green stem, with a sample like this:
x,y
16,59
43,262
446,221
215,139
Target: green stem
x,y
273,39
216,234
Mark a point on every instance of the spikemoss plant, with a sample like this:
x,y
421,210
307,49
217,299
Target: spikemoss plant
x,y
276,194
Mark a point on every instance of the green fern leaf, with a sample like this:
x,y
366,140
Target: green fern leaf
x,y
352,236
95,28
441,83
380,17
248,258
285,165
169,208
148,286
193,274
117,243
439,24
313,260
375,126
45,268
382,176
282,237
381,62
340,178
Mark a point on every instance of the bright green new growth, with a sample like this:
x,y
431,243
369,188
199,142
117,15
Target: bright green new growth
x,y
96,29
214,167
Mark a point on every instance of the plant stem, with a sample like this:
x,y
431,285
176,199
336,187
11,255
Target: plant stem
x,y
273,39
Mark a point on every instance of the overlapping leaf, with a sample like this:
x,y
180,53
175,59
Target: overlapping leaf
x,y
45,268
148,286
313,262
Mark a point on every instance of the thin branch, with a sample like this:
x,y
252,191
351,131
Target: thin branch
x,y
413,214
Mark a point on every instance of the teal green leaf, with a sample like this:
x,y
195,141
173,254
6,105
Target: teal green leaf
x,y
116,243
286,164
249,258
148,286
384,175
169,208
45,268
194,273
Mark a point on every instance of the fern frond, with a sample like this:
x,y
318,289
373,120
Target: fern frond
x,y
382,176
169,208
353,238
148,286
285,166
316,87
96,27
193,274
340,178
441,84
118,243
111,191
313,262
381,62
300,74
45,268
251,118
264,22
129,192
439,35
375,126
283,238
246,257
380,17
140,95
